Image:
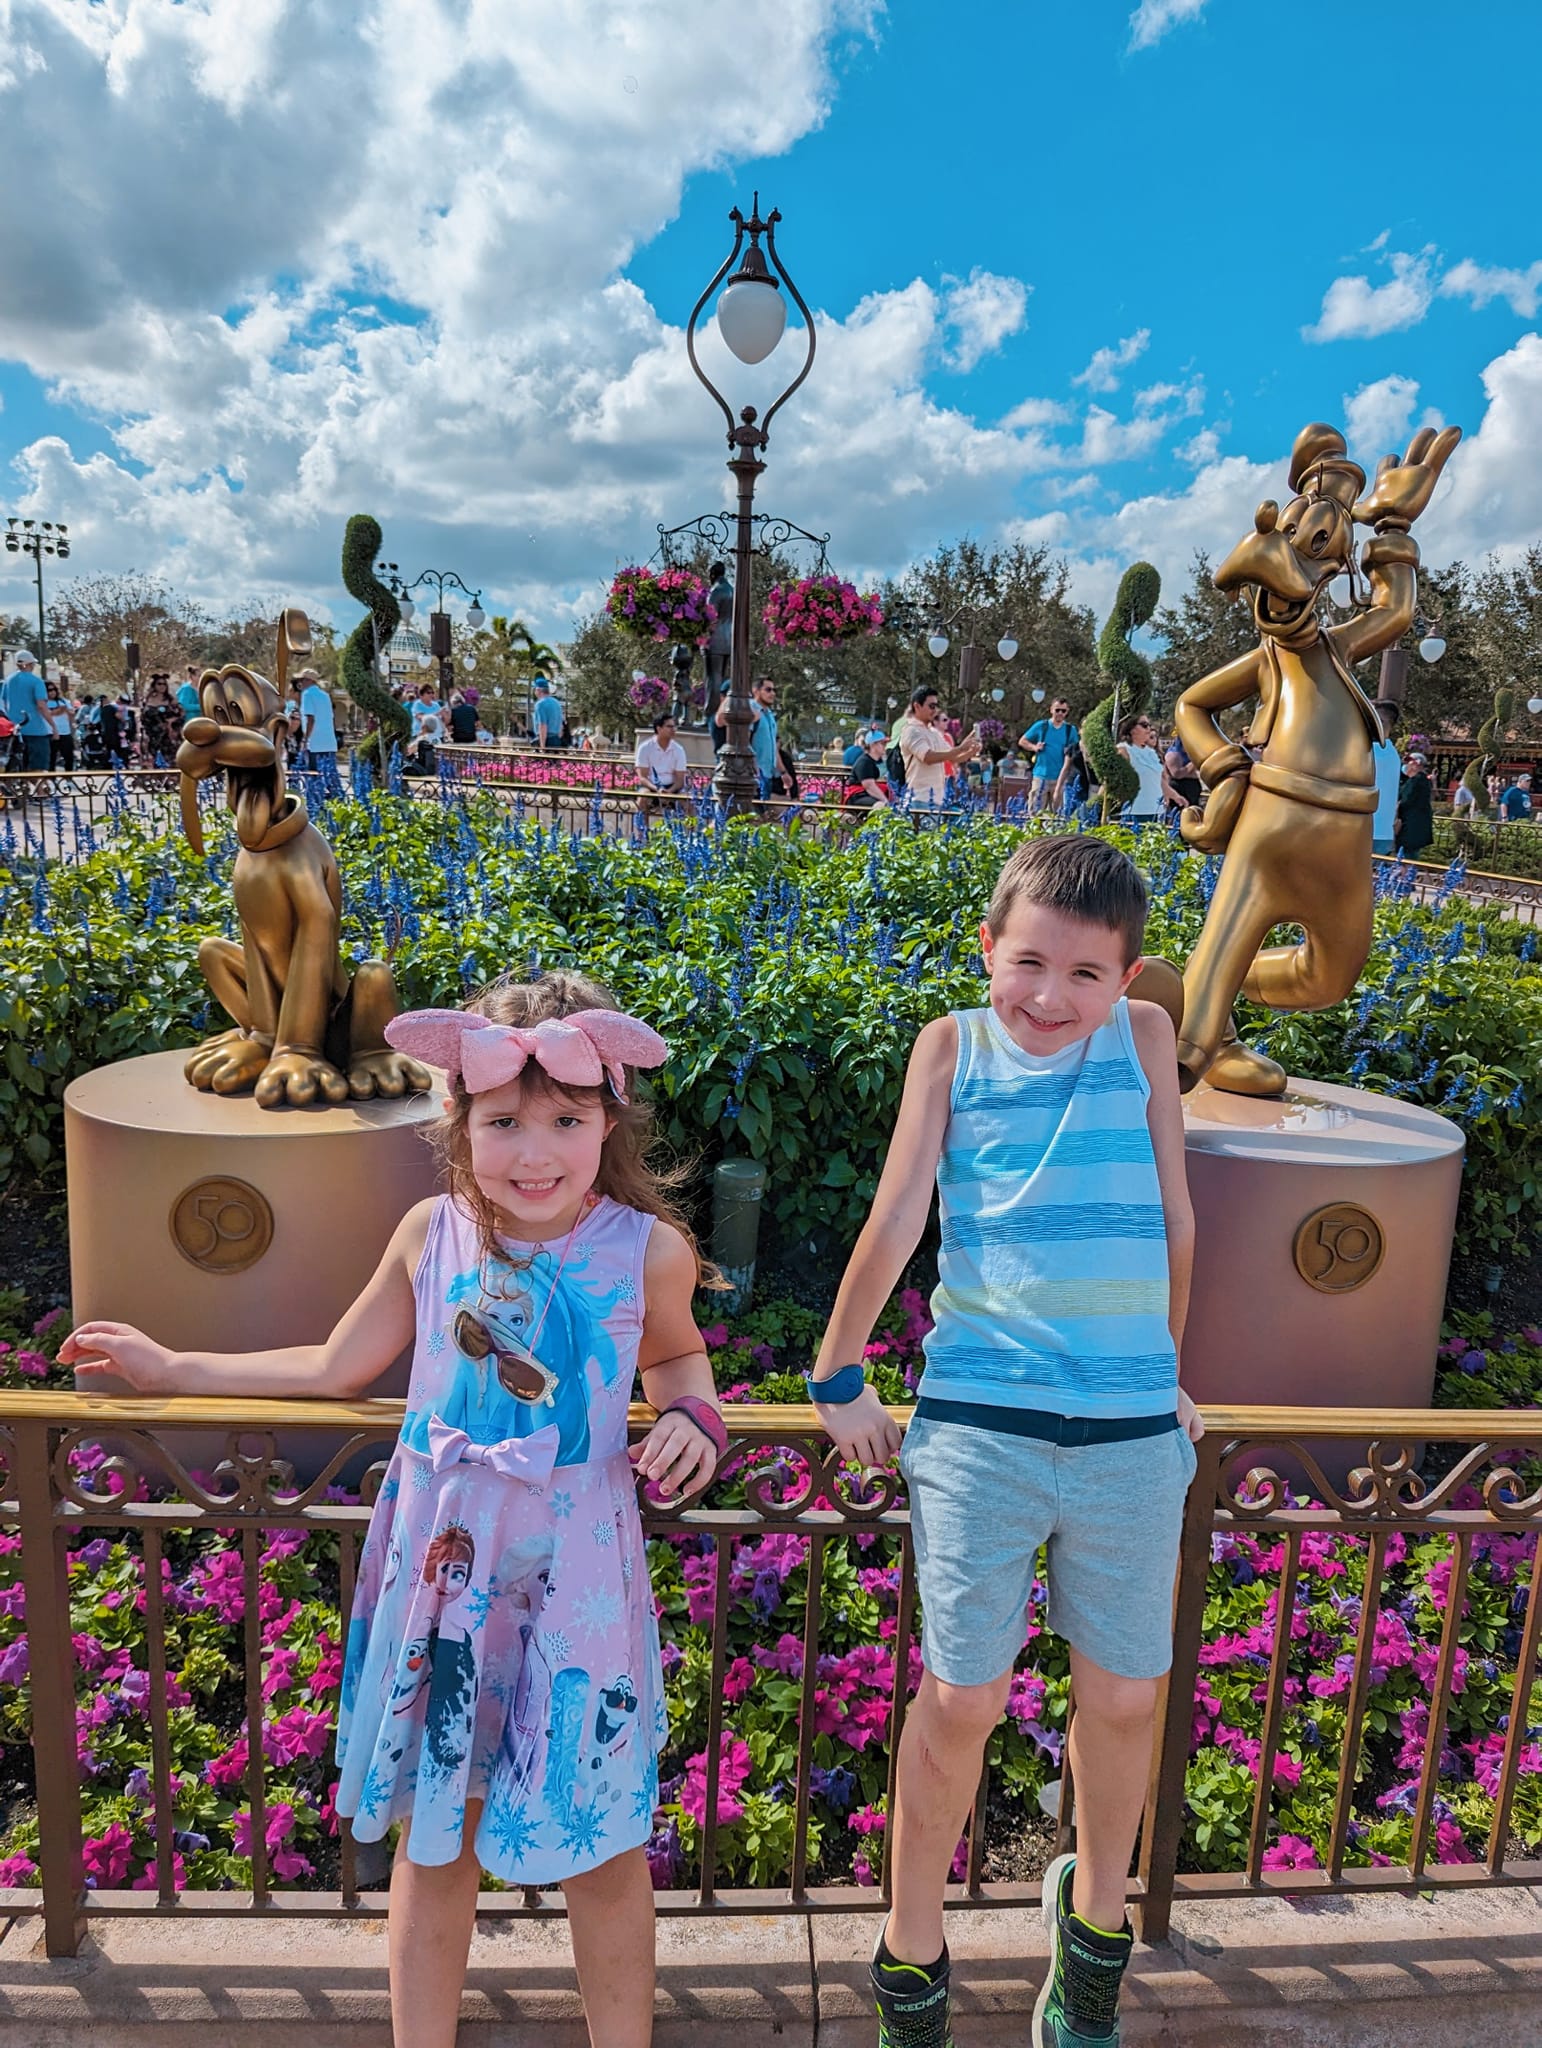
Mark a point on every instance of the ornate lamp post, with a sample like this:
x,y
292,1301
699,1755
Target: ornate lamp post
x,y
751,317
438,618
38,537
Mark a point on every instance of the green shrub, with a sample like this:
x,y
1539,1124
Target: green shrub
x,y
1495,849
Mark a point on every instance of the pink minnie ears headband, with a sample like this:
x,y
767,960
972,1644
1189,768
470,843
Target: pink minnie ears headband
x,y
580,1050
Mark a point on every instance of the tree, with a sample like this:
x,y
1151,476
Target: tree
x,y
361,677
91,617
1130,673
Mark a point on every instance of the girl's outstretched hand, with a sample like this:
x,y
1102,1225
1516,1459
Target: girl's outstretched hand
x,y
675,1457
100,1350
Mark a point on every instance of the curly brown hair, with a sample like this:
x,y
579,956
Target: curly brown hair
x,y
627,1174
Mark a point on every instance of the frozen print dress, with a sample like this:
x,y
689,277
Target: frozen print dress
x,y
503,1644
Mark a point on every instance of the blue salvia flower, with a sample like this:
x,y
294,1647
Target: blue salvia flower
x,y
746,1062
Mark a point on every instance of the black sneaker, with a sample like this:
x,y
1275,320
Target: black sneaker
x,y
912,2002
1079,2003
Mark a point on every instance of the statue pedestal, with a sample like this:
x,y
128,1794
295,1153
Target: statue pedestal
x,y
1324,1225
213,1224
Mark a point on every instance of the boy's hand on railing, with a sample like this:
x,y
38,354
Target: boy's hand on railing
x,y
1189,1418
99,1350
863,1429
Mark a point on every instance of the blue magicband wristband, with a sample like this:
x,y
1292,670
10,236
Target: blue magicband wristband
x,y
840,1388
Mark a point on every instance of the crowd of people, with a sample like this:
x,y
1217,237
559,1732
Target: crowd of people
x,y
60,723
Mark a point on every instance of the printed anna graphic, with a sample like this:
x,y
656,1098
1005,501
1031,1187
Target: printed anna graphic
x,y
503,1385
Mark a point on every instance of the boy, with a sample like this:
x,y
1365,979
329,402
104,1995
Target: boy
x,y
1049,1412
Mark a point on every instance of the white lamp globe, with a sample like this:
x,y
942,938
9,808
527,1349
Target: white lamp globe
x,y
424,659
752,317
1341,592
893,701
468,661
997,695
937,643
1432,647
475,617
1534,705
1006,647
407,608
1038,696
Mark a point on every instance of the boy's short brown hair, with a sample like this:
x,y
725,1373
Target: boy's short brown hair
x,y
1080,876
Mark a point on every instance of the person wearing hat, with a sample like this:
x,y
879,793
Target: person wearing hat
x,y
26,705
867,786
161,724
318,727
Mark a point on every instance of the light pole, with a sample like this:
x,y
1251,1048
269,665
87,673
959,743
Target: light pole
x,y
751,317
38,537
438,618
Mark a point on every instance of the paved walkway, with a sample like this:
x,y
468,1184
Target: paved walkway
x,y
1380,1972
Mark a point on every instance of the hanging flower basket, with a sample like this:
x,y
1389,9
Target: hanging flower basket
x,y
649,694
662,604
819,611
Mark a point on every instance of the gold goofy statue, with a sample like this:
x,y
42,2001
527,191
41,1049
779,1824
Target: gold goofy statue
x,y
304,1031
1292,803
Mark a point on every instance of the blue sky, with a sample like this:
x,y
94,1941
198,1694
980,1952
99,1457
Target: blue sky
x,y
1081,275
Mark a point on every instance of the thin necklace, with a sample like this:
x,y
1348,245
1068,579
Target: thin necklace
x,y
589,1203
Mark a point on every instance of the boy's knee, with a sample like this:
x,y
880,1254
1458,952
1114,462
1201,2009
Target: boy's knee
x,y
968,1713
1128,1704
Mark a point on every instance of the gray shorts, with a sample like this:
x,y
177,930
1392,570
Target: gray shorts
x,y
982,1503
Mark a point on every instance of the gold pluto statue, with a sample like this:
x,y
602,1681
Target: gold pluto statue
x,y
304,1030
1292,804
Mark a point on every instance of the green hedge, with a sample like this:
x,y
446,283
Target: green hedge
x,y
791,977
1514,849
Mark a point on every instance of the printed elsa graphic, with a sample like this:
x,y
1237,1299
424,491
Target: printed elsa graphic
x,y
502,1387
524,1582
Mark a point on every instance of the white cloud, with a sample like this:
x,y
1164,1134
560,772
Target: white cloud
x,y
1355,309
1107,365
1521,289
1490,497
1153,18
1376,418
983,310
1202,450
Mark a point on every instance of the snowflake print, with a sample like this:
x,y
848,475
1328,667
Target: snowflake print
x,y
604,1534
645,1798
556,1647
597,1611
562,1505
434,1343
479,1606
422,1478
373,1793
628,1566
390,1489
584,1831
455,1820
417,1393
511,1829
625,1291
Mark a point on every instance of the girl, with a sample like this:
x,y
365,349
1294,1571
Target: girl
x,y
502,1692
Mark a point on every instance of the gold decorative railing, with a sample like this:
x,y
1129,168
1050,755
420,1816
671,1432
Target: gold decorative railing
x,y
1479,1496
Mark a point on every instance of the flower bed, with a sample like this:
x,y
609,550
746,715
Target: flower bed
x,y
790,974
758,1358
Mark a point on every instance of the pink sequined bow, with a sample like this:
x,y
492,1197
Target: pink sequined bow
x,y
579,1050
531,1458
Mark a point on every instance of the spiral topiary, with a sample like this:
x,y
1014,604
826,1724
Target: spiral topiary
x,y
1490,735
361,679
1140,588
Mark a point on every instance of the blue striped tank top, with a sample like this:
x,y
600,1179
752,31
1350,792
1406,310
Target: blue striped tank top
x,y
1053,1280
